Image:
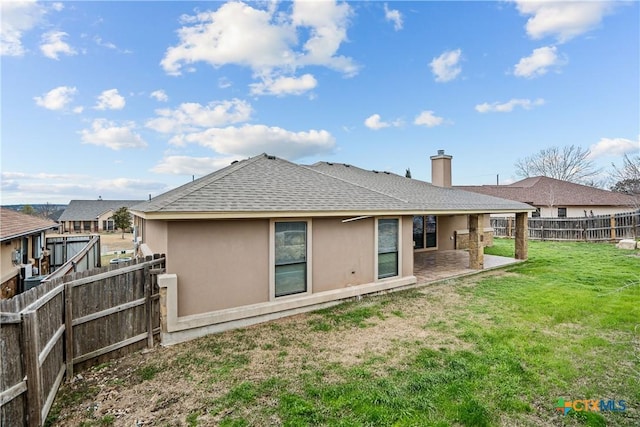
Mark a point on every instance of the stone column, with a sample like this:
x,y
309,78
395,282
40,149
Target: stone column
x,y
476,250
522,235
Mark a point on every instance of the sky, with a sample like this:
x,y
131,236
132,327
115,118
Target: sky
x,y
128,99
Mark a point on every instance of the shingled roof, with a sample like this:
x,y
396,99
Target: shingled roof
x,y
16,224
267,184
89,210
538,190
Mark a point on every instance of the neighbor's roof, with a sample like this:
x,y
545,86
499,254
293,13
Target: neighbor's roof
x,y
16,224
263,185
89,210
543,191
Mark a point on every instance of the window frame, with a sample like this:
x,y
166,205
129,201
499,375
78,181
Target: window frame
x,y
272,259
565,212
399,249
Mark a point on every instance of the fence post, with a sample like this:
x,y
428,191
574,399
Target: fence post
x,y
147,305
613,227
68,329
509,227
31,355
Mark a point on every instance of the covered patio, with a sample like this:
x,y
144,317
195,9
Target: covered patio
x,y
439,265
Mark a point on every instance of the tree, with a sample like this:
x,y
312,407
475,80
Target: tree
x,y
627,178
569,163
408,173
122,219
28,209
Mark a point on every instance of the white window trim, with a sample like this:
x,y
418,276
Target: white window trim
x,y
272,259
375,252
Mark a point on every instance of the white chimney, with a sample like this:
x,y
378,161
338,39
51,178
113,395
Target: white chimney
x,y
441,169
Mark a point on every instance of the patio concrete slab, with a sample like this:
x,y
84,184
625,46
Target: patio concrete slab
x,y
440,265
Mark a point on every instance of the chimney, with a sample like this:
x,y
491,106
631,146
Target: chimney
x,y
441,169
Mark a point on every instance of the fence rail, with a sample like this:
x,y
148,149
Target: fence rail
x,y
600,228
72,321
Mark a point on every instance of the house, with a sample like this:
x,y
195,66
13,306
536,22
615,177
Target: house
x,y
264,238
22,238
91,216
556,198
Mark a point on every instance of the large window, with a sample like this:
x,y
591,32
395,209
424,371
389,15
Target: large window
x,y
387,248
562,212
290,258
425,232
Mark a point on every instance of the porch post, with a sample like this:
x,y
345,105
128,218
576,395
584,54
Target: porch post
x,y
522,235
476,234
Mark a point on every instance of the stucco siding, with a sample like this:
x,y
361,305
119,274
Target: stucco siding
x,y
220,264
6,266
406,251
343,253
447,226
154,234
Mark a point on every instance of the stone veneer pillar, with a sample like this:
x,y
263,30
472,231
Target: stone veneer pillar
x,y
522,235
476,234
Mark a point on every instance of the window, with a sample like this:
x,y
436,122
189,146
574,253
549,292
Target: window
x,y
387,248
562,212
536,213
425,232
76,226
86,225
290,258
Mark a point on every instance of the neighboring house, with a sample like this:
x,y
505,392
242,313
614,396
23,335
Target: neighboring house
x,y
555,198
91,216
264,237
22,238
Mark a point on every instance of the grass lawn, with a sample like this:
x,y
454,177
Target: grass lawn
x,y
499,348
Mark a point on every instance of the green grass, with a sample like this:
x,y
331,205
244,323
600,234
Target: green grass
x,y
564,324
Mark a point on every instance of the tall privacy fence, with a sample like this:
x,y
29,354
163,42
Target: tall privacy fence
x,y
73,253
599,228
71,322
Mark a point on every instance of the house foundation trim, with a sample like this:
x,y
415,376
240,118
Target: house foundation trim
x,y
176,329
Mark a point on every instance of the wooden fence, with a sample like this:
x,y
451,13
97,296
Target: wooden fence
x,y
72,322
73,253
600,228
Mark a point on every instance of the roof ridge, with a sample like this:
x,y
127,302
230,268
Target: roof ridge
x,y
355,184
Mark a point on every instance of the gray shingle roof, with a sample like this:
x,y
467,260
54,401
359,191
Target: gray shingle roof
x,y
89,210
540,190
269,184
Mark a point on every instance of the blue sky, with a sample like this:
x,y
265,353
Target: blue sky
x,y
126,99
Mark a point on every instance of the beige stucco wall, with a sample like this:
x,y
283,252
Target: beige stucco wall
x,y
343,253
154,234
447,225
220,264
6,266
407,246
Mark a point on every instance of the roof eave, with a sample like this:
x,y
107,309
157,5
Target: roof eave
x,y
306,214
28,233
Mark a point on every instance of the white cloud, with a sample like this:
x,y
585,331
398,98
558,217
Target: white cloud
x,y
192,116
224,82
507,107
394,16
446,66
110,100
538,63
79,109
614,147
428,119
248,140
185,165
284,85
52,44
110,135
16,18
562,19
102,43
159,95
271,43
374,122
56,99
57,6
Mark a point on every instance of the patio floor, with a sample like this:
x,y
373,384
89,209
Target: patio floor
x,y
439,265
